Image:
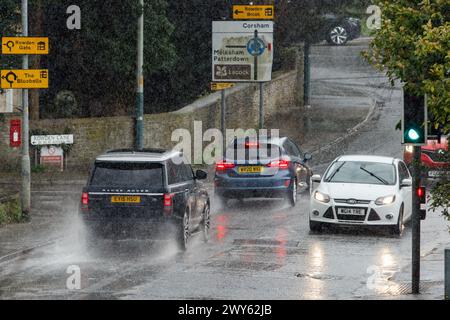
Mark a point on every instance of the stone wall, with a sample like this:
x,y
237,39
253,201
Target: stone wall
x,y
93,136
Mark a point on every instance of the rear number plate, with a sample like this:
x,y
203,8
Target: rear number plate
x,y
352,211
126,199
250,169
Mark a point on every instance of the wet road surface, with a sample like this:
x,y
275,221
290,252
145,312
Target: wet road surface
x,y
259,249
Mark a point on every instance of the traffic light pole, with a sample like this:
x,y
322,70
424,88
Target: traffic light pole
x,y
139,139
26,170
416,221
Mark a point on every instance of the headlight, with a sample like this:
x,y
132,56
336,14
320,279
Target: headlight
x,y
409,149
382,201
321,197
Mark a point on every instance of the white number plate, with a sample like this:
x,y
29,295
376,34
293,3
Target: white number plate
x,y
352,211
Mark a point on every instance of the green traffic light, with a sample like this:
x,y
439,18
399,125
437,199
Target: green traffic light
x,y
413,135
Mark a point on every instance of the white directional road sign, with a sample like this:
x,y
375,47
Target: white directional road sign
x,y
242,51
52,140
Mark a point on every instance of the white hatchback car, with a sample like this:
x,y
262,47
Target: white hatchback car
x,y
362,190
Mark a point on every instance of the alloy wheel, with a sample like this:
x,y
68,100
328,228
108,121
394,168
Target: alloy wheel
x,y
339,35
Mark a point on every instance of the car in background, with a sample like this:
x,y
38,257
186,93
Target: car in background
x,y
135,192
362,191
339,30
434,157
262,168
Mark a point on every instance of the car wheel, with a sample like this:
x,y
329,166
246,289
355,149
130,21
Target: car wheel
x,y
184,231
292,193
206,223
397,230
338,36
315,226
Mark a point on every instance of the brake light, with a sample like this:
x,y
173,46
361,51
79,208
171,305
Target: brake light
x,y
281,164
168,200
421,192
249,145
223,165
85,198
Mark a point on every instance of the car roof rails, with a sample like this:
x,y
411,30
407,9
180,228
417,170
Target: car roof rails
x,y
144,150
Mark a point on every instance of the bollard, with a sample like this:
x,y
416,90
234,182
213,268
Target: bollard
x,y
447,274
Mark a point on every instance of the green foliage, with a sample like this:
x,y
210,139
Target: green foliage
x,y
440,199
38,169
10,212
413,45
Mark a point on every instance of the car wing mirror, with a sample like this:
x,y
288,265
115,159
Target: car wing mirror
x,y
316,178
307,156
201,175
406,183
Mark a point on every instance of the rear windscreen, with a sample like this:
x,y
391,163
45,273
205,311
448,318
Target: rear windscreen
x,y
261,151
127,175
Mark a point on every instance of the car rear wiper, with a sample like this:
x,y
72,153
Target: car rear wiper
x,y
334,173
374,175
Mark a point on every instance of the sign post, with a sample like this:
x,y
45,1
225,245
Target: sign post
x,y
25,45
25,79
243,52
447,274
243,12
51,152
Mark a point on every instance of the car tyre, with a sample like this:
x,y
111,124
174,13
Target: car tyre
x,y
293,193
338,36
315,226
184,231
206,223
397,230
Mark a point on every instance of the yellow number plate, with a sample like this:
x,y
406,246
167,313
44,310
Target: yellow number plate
x,y
250,169
126,199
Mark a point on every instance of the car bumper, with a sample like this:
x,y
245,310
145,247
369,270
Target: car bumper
x,y
107,225
252,187
374,215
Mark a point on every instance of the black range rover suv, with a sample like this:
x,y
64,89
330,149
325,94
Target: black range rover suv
x,y
140,191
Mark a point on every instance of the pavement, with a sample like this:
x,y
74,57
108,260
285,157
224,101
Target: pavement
x,y
259,249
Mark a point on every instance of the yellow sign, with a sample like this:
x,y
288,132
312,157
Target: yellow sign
x,y
217,86
24,45
243,12
24,79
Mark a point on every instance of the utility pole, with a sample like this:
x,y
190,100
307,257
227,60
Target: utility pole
x,y
416,221
261,105
139,139
223,112
307,80
26,170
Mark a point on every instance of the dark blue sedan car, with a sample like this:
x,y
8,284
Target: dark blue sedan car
x,y
262,168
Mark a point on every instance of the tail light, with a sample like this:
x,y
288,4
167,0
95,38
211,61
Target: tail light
x,y
222,166
249,145
85,201
85,198
168,200
281,164
168,204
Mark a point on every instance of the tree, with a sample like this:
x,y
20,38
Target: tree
x,y
96,63
413,46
